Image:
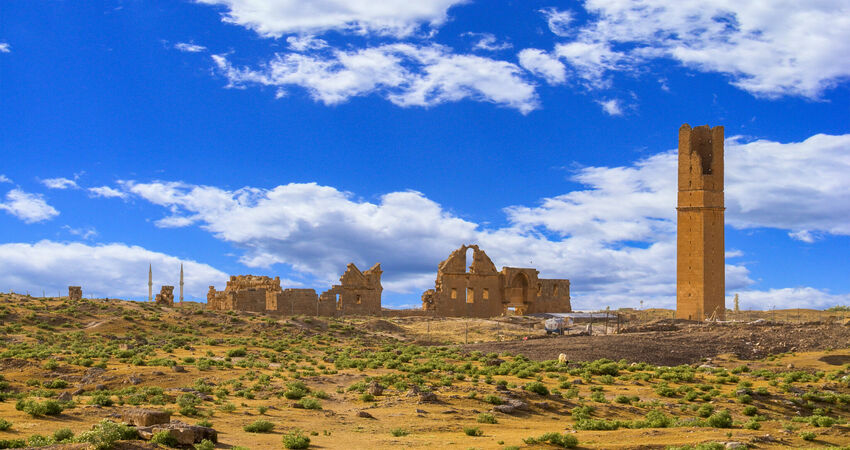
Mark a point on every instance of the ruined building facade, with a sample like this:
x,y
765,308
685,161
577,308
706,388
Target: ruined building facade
x,y
359,293
165,296
700,264
482,291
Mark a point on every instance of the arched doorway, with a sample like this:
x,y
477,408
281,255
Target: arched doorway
x,y
517,294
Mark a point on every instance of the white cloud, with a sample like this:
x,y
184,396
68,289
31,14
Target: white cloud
x,y
106,192
59,183
85,233
4,179
273,18
611,107
114,270
558,21
543,65
788,298
304,43
404,74
591,61
189,47
488,42
30,208
5,48
768,49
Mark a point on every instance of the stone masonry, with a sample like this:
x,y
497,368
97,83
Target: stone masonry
x,y
700,264
485,292
75,293
165,296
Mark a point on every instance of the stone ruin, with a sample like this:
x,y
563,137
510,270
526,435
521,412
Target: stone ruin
x,y
75,293
359,293
165,296
485,292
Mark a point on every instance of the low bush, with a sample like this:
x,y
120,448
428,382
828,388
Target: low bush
x,y
164,437
295,439
259,426
399,432
487,418
558,439
537,387
473,431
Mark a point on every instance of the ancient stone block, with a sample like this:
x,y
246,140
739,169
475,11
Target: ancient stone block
x,y
142,417
165,296
75,293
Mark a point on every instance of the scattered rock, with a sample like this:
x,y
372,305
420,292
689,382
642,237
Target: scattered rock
x,y
449,411
501,388
143,417
511,406
365,415
427,397
100,387
577,381
736,445
78,391
178,369
421,411
157,373
375,388
494,362
134,380
65,397
184,433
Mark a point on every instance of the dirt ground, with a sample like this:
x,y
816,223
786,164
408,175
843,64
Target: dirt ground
x,y
681,343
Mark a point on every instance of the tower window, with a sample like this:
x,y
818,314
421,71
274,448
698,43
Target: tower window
x,y
485,294
470,295
358,300
454,293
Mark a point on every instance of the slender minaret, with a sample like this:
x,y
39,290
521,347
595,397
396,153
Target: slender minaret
x,y
181,283
150,283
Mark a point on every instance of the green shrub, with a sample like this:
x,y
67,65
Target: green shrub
x,y
750,410
399,432
36,409
752,424
722,419
808,436
473,431
537,387
705,410
558,439
205,423
63,434
487,418
596,424
55,384
262,409
493,399
260,426
295,439
206,444
164,437
237,352
12,443
367,397
101,399
5,425
309,403
106,433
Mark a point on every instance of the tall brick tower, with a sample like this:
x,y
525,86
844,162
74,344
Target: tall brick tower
x,y
700,265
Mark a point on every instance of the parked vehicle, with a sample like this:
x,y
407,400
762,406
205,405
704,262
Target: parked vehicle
x,y
555,325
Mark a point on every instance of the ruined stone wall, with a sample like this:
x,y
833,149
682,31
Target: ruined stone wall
x,y
359,293
296,302
75,293
249,300
700,264
165,296
484,292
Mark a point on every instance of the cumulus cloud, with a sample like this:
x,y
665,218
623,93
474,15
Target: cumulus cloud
x,y
4,179
611,107
404,74
85,233
106,192
303,43
189,47
274,18
558,21
782,48
5,47
59,183
488,42
788,298
30,208
543,65
114,270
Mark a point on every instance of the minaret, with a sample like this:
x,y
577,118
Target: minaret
x,y
700,258
150,283
181,283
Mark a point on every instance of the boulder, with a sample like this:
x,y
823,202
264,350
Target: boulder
x,y
65,397
183,433
427,397
365,415
375,388
143,417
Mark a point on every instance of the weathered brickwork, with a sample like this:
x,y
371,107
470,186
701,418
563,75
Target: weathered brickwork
x,y
75,293
165,296
359,293
700,266
485,292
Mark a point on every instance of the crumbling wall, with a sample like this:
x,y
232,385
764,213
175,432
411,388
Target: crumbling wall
x,y
75,293
165,296
359,293
296,302
484,292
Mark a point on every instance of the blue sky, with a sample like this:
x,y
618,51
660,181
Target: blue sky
x,y
289,138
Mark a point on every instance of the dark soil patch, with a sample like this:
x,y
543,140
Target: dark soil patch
x,y
687,344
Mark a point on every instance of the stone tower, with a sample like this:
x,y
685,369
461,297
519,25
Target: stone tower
x,y
700,266
150,282
181,283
